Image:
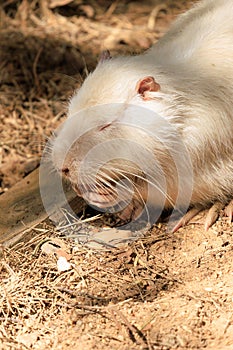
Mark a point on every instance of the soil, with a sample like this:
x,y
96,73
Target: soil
x,y
163,291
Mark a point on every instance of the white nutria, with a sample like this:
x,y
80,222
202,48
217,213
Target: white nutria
x,y
186,79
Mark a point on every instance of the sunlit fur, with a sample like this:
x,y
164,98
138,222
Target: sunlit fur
x,y
193,64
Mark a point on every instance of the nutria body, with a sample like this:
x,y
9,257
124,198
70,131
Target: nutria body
x,y
164,120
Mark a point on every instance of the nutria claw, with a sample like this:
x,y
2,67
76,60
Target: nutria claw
x,y
211,217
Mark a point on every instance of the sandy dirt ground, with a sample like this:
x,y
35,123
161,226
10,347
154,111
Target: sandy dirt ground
x,y
164,291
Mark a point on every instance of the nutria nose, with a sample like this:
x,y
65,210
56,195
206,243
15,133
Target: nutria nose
x,y
65,171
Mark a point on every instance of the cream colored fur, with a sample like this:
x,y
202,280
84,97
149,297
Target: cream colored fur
x,y
193,63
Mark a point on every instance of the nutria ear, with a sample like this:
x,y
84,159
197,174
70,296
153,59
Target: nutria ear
x,y
145,85
104,56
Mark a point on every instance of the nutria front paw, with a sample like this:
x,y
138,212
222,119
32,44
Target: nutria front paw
x,y
211,217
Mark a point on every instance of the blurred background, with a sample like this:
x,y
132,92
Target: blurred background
x,y
47,47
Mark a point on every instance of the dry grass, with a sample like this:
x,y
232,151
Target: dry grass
x,y
161,292
33,292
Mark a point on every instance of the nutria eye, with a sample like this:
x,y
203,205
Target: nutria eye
x,y
104,126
